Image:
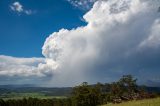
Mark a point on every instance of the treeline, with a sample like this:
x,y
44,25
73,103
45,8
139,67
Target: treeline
x,y
91,95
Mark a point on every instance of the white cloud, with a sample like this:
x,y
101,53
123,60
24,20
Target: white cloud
x,y
23,67
114,42
18,7
82,4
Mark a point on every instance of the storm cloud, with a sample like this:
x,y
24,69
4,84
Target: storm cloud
x,y
121,37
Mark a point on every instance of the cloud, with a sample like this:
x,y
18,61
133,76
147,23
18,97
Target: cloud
x,y
15,70
82,4
24,67
121,37
18,7
110,45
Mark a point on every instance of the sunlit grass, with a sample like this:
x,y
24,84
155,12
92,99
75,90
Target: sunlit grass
x,y
146,102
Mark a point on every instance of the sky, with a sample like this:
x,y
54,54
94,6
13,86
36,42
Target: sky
x,y
67,42
26,33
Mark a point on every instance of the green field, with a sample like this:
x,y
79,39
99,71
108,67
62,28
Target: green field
x,y
15,95
147,102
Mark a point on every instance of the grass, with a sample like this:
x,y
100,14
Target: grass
x,y
146,102
14,95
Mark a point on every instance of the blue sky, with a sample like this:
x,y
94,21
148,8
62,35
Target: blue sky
x,y
66,42
23,35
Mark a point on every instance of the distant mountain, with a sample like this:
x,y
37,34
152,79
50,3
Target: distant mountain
x,y
153,83
50,91
17,86
153,89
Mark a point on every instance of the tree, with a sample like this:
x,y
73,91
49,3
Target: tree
x,y
129,83
85,95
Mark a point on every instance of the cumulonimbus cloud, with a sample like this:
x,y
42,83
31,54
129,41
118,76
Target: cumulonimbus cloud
x,y
121,37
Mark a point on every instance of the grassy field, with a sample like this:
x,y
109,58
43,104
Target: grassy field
x,y
147,102
14,95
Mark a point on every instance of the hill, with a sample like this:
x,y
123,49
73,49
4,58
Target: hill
x,y
146,102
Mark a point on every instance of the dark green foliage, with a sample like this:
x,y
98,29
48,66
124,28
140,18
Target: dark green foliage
x,y
125,88
85,95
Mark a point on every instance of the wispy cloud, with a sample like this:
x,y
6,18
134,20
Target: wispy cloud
x,y
82,4
18,7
